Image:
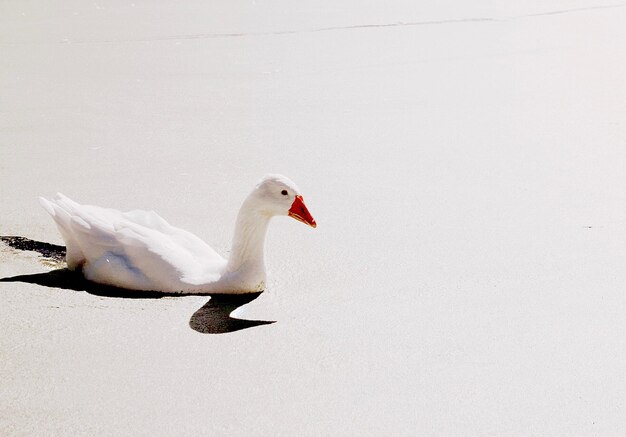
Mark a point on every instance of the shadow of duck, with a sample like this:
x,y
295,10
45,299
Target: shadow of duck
x,y
212,318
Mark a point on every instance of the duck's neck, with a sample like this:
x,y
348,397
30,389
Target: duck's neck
x,y
248,250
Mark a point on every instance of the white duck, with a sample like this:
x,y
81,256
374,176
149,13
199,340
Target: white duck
x,y
139,250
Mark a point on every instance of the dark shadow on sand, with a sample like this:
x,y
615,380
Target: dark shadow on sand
x,y
51,251
212,318
69,280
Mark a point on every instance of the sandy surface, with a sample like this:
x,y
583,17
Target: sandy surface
x,y
465,165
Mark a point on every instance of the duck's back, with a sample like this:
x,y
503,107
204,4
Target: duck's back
x,y
136,250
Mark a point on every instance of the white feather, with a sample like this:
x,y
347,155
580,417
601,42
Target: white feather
x,y
139,250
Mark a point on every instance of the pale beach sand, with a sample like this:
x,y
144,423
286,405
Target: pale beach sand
x,y
465,165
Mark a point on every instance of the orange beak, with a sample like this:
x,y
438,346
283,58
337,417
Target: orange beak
x,y
299,211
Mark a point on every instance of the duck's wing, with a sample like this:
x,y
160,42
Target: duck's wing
x,y
147,251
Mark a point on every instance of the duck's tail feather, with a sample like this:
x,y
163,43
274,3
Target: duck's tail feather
x,y
59,211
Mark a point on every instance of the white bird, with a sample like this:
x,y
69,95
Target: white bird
x,y
139,250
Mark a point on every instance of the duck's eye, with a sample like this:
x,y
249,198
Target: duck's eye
x,y
284,192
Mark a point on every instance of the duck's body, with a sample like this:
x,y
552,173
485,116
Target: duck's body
x,y
139,250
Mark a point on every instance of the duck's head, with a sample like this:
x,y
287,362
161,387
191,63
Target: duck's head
x,y
277,195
